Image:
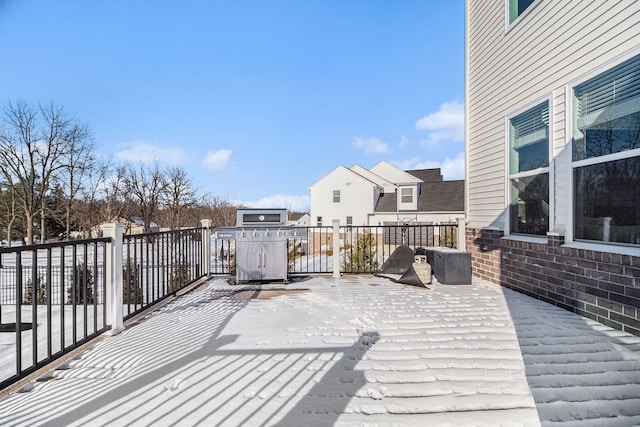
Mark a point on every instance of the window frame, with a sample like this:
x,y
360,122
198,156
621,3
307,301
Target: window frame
x,y
402,196
548,170
570,120
336,196
507,7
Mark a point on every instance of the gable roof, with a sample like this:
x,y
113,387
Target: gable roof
x,y
344,170
380,181
296,216
393,174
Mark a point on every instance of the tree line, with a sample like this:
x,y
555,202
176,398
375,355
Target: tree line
x,y
52,182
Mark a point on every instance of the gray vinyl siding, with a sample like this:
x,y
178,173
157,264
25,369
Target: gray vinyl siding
x,y
557,43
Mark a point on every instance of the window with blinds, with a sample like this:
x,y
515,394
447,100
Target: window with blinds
x,y
606,156
529,139
529,171
607,112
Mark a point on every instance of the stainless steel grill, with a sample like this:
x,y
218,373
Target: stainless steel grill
x,y
261,243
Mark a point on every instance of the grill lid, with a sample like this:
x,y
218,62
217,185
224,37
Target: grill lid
x,y
261,217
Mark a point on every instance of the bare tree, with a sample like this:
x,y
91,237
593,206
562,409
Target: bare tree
x,y
143,186
115,196
223,212
95,209
19,158
79,162
178,196
8,210
34,148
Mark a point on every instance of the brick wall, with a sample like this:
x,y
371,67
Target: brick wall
x,y
599,285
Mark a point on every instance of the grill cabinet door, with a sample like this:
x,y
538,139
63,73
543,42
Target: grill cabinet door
x,y
274,260
248,260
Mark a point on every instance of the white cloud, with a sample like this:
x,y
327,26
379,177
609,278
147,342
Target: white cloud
x,y
446,124
142,152
292,202
451,168
217,160
370,145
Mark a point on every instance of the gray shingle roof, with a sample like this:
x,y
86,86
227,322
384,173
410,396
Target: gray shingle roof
x,y
427,175
436,195
442,196
387,202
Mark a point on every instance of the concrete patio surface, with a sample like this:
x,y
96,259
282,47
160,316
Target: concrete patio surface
x,y
359,350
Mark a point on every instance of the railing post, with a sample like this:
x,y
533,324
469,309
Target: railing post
x,y
462,234
336,248
206,245
113,274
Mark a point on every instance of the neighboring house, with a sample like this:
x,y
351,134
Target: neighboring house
x,y
301,219
135,225
553,152
385,194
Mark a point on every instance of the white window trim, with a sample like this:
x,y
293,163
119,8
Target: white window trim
x,y
568,120
510,25
402,195
550,170
606,158
572,165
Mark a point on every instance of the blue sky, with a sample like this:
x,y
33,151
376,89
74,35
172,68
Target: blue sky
x,y
257,100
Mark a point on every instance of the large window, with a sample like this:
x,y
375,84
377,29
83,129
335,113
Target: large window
x,y
606,156
517,8
336,196
529,171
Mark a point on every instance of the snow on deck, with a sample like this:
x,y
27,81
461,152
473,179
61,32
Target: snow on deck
x,y
581,372
354,351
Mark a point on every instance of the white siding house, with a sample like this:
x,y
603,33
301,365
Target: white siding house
x,y
552,132
300,219
385,194
344,195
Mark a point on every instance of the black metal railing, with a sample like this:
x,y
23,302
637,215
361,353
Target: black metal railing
x,y
156,265
363,249
313,254
53,296
222,257
51,301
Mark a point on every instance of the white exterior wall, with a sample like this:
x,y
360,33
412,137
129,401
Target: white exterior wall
x,y
356,197
555,44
